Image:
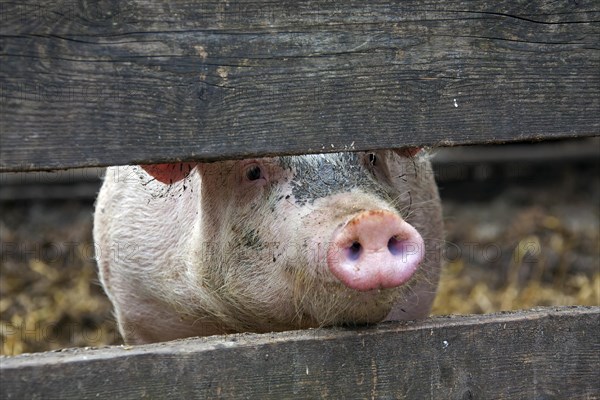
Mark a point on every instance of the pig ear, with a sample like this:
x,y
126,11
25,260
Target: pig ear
x,y
169,173
408,151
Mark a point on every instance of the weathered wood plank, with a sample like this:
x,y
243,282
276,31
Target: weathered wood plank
x,y
100,83
551,353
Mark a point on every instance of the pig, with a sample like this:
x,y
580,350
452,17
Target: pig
x,y
268,244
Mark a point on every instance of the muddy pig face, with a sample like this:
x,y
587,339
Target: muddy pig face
x,y
313,240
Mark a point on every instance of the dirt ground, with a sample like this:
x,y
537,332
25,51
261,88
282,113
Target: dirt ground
x,y
523,244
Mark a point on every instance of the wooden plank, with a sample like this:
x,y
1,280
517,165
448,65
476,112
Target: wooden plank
x,y
548,353
93,84
546,153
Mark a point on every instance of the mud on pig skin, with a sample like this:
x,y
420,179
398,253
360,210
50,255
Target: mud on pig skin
x,y
268,244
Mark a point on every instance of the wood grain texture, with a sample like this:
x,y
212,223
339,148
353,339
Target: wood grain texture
x,y
93,83
549,353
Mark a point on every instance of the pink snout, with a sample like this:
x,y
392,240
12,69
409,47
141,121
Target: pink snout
x,y
375,250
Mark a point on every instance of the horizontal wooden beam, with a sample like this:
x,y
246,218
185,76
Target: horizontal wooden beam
x,y
107,83
544,353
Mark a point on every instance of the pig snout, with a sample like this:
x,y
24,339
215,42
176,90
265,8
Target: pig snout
x,y
375,249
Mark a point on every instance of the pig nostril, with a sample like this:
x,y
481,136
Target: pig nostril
x,y
395,246
354,251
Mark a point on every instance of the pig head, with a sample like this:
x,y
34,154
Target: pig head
x,y
268,244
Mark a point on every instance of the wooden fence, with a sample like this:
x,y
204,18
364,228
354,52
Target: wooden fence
x,y
87,83
537,354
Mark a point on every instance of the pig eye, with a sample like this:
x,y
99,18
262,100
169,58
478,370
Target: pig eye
x,y
254,173
372,159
